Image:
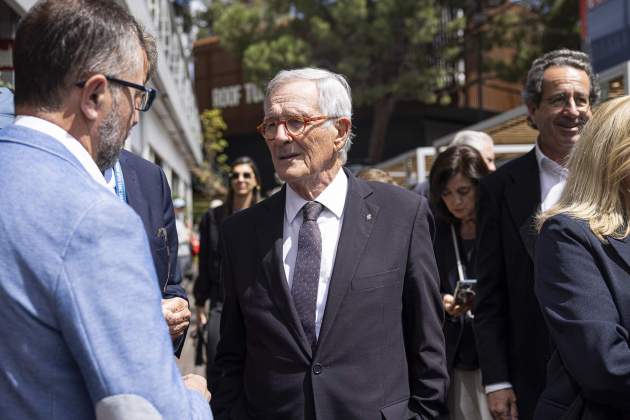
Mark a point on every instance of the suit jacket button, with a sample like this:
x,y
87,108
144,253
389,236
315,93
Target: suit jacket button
x,y
317,368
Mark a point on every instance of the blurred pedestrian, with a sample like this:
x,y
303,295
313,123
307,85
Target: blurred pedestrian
x,y
480,141
583,276
454,177
512,339
243,192
332,307
184,235
82,328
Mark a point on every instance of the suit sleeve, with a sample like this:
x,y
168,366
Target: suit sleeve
x,y
112,322
423,316
581,313
226,376
491,313
172,288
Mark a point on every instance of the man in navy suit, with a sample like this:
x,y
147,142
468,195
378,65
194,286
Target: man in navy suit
x,y
332,306
512,339
144,187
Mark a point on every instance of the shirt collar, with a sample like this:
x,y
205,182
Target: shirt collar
x,y
333,198
546,164
69,142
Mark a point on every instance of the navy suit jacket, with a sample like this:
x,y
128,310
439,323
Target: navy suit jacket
x,y
149,195
583,286
512,339
380,351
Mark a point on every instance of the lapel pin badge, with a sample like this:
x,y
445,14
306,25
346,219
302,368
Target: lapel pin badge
x,y
368,217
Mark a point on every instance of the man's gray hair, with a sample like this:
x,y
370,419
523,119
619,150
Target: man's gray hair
x,y
335,98
476,139
532,93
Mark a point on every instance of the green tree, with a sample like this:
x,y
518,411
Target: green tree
x,y
530,28
390,50
208,176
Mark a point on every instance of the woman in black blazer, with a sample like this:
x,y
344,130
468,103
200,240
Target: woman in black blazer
x,y
243,192
583,276
453,183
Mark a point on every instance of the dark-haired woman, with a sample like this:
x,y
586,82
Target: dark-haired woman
x,y
243,192
453,185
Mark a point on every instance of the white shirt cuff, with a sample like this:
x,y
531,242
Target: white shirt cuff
x,y
497,387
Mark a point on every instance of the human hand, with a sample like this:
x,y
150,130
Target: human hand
x,y
502,404
452,308
177,315
197,383
201,318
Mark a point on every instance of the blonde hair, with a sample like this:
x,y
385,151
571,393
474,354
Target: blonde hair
x,y
599,173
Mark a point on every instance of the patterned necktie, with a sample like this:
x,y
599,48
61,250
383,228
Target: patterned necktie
x,y
306,275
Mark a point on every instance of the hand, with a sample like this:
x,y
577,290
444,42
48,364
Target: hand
x,y
202,319
197,383
177,315
502,404
452,308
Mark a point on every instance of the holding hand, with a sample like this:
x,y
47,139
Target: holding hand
x,y
177,315
502,404
197,383
201,318
452,308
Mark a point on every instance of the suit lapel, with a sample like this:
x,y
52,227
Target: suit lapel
x,y
269,234
622,247
358,220
523,199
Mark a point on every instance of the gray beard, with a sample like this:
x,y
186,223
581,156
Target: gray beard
x,y
111,139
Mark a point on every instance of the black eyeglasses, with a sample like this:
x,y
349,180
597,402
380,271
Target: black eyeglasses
x,y
237,175
143,102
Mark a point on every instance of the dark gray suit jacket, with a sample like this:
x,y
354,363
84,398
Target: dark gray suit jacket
x,y
380,352
512,339
149,195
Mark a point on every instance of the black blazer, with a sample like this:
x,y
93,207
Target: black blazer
x,y
583,286
149,195
380,352
457,330
208,284
512,339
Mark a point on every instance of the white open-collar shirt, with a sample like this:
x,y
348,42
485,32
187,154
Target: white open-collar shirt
x,y
330,220
552,179
69,142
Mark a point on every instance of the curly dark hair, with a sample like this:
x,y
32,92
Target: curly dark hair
x,y
459,159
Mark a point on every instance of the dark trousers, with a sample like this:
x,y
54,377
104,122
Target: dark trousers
x,y
213,326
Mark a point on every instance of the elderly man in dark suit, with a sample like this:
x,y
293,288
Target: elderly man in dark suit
x,y
512,340
332,305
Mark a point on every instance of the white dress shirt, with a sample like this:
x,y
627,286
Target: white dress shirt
x,y
330,220
69,142
552,174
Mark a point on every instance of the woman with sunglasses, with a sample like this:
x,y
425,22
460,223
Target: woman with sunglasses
x,y
243,192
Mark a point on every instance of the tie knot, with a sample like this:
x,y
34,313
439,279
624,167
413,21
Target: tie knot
x,y
311,211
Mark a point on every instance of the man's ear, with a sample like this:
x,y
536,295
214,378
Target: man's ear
x,y
531,110
342,125
93,96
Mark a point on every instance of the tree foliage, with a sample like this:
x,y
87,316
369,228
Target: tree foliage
x,y
531,28
388,49
208,176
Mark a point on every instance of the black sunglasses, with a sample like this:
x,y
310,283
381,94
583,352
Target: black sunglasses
x,y
236,175
148,94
